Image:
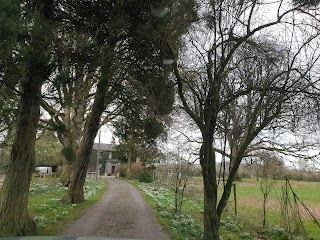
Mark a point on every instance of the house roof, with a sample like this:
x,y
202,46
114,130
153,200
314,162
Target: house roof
x,y
104,146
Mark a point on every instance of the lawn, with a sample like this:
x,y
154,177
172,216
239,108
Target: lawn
x,y
49,212
248,222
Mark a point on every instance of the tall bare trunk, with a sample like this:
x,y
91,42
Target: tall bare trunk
x,y
14,216
208,164
130,156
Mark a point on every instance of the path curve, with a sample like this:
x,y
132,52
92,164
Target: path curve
x,y
121,213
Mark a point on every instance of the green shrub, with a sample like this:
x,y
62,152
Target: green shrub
x,y
145,176
279,233
245,235
3,168
67,152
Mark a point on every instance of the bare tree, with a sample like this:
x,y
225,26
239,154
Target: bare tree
x,y
266,187
182,172
261,64
208,87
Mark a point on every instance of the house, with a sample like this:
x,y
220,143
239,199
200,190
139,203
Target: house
x,y
167,159
107,162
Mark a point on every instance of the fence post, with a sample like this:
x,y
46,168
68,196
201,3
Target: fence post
x,y
235,198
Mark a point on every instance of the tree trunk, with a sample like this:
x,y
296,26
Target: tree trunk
x,y
66,175
80,167
208,164
233,155
75,188
264,210
130,154
228,186
14,216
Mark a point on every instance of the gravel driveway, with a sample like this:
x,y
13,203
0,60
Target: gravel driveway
x,y
121,213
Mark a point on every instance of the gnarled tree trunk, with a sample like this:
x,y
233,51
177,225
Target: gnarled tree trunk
x,y
81,163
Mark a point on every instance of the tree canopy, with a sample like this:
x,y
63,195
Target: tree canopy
x,y
238,69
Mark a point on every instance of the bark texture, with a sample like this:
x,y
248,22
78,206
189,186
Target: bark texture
x,y
208,164
81,163
14,216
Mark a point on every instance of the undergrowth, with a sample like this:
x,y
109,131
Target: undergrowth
x,y
189,224
50,213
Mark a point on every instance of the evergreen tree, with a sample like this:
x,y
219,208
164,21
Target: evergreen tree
x,y
14,216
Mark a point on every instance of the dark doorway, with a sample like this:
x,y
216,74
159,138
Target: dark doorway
x,y
113,169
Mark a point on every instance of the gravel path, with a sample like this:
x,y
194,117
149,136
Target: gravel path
x,y
121,213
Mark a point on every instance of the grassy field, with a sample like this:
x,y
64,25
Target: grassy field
x,y
49,212
248,222
250,202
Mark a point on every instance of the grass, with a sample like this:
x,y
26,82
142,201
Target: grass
x,y
248,222
250,204
250,198
178,226
163,221
50,214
